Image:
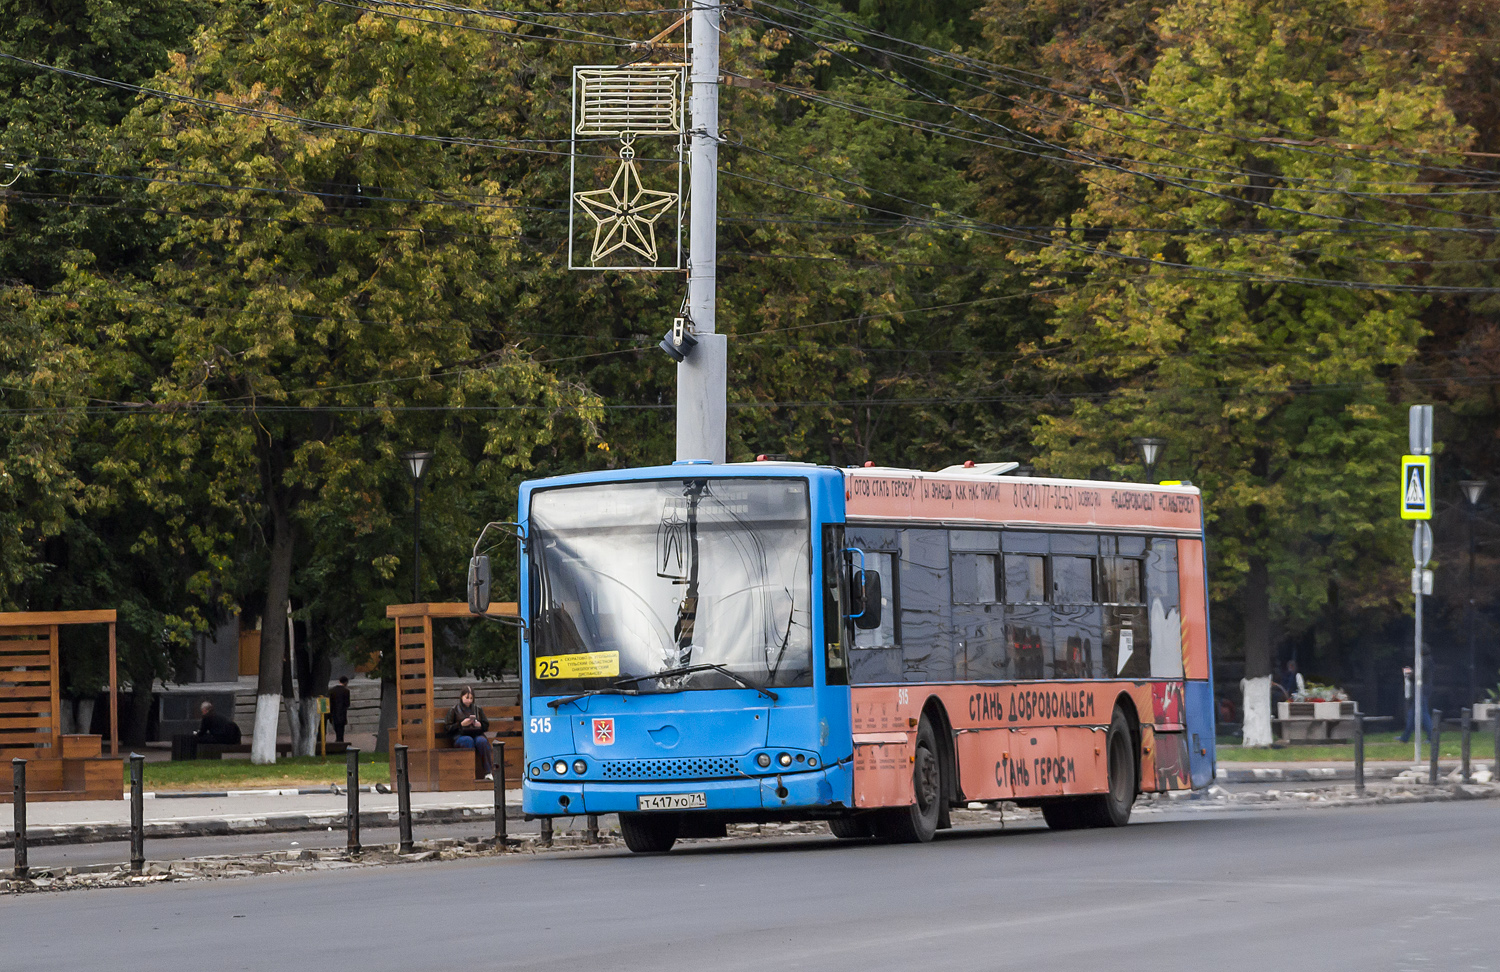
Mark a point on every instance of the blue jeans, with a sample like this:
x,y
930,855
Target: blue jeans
x,y
481,745
1411,721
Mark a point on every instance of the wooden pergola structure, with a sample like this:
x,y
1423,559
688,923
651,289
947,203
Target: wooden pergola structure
x,y
60,767
432,761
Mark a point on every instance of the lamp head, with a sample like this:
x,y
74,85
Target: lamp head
x,y
416,462
1151,448
1473,490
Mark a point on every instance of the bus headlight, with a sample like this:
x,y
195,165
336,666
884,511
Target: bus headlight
x,y
561,768
763,760
785,759
579,766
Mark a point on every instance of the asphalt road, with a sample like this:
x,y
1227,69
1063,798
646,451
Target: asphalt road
x,y
1373,888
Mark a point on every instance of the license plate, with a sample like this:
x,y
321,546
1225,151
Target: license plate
x,y
671,801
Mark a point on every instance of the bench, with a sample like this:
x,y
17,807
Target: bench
x,y
445,766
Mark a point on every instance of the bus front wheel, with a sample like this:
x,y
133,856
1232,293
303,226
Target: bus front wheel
x,y
917,823
650,833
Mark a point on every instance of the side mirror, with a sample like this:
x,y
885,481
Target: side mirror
x,y
866,599
479,585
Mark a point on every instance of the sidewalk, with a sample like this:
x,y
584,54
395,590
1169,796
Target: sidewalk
x,y
1288,771
242,811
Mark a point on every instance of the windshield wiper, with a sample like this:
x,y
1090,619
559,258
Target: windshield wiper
x,y
704,667
555,703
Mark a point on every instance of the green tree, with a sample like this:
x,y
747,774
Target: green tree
x,y
1229,291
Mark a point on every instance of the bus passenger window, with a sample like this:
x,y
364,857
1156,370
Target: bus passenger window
x,y
1025,579
974,578
1072,580
1165,611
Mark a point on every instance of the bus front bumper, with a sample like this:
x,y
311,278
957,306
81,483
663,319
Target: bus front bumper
x,y
813,788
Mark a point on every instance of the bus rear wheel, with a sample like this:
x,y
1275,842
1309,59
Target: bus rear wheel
x,y
650,833
1112,809
918,823
1067,814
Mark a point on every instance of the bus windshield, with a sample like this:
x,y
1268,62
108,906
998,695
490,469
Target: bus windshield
x,y
631,579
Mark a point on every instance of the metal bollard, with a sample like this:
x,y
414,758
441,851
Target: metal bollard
x,y
403,799
500,794
137,813
1359,753
592,825
1466,720
1434,742
18,773
351,783
546,840
1495,753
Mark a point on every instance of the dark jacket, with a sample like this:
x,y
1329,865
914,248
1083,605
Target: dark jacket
x,y
459,713
338,703
217,729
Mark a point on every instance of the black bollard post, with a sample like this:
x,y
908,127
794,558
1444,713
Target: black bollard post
x,y
403,799
546,832
351,783
18,773
1466,720
1359,753
500,794
137,813
1435,740
592,828
1495,762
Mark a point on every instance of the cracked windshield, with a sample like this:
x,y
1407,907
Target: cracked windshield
x,y
631,579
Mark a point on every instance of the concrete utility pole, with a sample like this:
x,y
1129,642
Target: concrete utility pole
x,y
702,378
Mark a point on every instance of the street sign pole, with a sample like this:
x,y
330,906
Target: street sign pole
x,y
1416,504
702,377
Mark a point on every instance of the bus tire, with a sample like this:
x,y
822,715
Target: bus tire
x,y
1112,808
917,823
851,828
650,833
1066,814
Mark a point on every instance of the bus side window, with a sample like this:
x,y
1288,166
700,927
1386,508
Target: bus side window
x,y
980,650
1127,631
1076,618
875,655
835,603
1163,603
925,620
1028,618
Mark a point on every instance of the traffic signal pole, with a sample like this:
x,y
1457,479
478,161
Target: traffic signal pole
x,y
702,378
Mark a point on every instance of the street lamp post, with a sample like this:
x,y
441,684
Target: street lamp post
x,y
1151,448
416,463
1473,490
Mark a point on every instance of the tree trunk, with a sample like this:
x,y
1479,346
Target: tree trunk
x,y
387,715
273,627
1256,685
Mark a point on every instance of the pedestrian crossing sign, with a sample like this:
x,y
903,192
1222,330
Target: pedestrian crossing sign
x,y
1416,487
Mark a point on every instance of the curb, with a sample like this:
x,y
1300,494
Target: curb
x,y
221,794
266,823
1309,774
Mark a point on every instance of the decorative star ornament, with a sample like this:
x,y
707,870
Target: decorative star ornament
x,y
625,214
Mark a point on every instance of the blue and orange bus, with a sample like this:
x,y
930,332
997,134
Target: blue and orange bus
x,y
749,642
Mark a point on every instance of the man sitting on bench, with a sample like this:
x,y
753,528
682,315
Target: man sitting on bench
x,y
467,726
216,729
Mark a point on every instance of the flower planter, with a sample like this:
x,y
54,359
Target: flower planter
x,y
1295,710
1486,711
1333,710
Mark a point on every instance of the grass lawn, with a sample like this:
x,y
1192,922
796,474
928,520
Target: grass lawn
x,y
241,774
1378,745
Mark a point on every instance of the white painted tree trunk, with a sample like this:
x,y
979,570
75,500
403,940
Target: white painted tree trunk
x,y
307,743
294,724
1257,710
263,742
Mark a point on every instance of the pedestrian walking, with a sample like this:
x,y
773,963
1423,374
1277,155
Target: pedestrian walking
x,y
1409,677
338,707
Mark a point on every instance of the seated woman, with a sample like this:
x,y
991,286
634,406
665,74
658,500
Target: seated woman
x,y
467,726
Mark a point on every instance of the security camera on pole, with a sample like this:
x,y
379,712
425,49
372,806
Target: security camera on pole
x,y
1416,504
